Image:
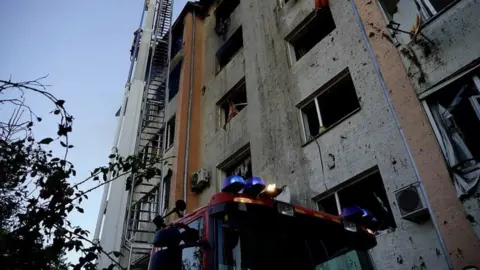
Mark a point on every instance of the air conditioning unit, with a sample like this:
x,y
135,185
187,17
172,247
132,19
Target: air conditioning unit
x,y
200,180
412,204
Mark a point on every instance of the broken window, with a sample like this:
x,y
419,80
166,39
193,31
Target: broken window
x,y
233,102
166,190
174,81
334,103
311,31
228,50
406,16
367,192
242,167
454,112
222,14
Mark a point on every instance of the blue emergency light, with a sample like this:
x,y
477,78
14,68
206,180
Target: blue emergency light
x,y
233,184
253,186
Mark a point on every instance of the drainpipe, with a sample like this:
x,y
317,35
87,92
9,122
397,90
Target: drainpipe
x,y
189,113
404,140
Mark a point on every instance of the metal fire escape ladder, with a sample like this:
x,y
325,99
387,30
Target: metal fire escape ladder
x,y
144,197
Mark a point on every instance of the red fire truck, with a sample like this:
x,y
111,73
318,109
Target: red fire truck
x,y
252,230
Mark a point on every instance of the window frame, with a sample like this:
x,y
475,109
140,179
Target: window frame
x,y
476,81
298,30
427,12
322,90
347,184
239,86
167,129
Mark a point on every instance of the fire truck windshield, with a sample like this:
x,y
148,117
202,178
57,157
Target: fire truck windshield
x,y
256,240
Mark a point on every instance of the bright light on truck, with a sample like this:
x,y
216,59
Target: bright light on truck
x,y
271,188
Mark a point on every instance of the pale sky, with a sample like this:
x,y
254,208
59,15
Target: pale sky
x,y
83,45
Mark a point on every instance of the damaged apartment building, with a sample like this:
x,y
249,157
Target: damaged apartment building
x,y
370,103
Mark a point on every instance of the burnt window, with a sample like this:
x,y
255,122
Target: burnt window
x,y
223,11
335,102
229,49
310,32
366,191
233,102
455,115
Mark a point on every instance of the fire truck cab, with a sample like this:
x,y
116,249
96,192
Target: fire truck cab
x,y
251,230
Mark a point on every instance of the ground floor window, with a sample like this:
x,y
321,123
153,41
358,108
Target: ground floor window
x,y
367,191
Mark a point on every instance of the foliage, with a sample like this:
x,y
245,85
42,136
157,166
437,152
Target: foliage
x,y
37,191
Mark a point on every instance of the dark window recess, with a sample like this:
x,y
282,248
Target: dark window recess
x,y
338,101
174,81
311,120
171,132
166,189
456,111
234,101
369,193
242,168
222,14
310,32
438,5
177,40
335,103
229,49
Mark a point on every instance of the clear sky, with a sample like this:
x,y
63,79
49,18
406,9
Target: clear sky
x,y
83,45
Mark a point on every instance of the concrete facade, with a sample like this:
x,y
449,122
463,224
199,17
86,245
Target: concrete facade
x,y
390,133
453,49
270,125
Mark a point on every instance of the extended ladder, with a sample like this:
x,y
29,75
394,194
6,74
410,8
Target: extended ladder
x,y
144,197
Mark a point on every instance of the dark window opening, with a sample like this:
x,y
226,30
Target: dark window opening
x,y
310,117
222,14
177,40
170,132
311,31
228,50
241,168
233,102
368,193
174,81
337,102
166,189
456,114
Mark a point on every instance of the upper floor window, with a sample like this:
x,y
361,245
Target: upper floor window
x,y
222,14
311,31
239,163
333,103
454,112
406,16
229,49
233,102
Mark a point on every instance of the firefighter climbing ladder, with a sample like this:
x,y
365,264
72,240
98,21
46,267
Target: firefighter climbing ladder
x,y
144,197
